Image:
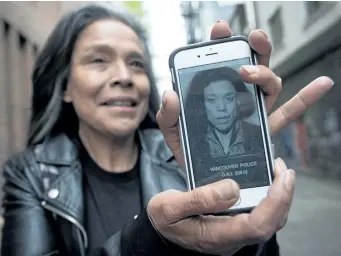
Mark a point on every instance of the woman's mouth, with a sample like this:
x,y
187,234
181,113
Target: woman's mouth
x,y
121,103
224,119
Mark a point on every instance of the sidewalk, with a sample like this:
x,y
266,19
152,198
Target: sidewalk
x,y
333,173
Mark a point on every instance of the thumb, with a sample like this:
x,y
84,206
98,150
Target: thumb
x,y
172,206
167,118
213,198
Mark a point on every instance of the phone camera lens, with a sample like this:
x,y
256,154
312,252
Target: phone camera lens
x,y
198,56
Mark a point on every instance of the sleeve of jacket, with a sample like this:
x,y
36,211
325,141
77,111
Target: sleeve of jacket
x,y
27,230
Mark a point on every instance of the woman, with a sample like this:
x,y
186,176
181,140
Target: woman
x,y
218,108
217,105
94,160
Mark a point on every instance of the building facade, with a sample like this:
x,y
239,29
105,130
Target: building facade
x,y
24,27
306,40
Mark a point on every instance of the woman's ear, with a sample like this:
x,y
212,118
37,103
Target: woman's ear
x,y
67,95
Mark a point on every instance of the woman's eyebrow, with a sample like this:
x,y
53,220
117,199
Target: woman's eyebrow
x,y
98,47
136,55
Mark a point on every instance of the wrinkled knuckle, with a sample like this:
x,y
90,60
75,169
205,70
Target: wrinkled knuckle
x,y
166,210
215,197
263,235
269,80
159,207
198,200
206,240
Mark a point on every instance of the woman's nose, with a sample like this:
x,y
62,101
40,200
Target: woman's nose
x,y
121,75
221,105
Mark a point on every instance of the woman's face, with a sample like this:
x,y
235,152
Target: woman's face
x,y
221,104
108,85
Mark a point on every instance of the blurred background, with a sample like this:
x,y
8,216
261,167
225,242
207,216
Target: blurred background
x,y
306,37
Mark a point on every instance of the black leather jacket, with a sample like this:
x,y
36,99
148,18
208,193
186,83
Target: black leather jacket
x,y
44,207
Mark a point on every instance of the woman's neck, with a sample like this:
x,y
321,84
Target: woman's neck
x,y
111,153
225,139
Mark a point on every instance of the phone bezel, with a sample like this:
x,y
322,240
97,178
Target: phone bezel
x,y
237,48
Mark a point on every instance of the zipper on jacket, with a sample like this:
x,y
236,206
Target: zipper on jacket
x,y
260,250
69,218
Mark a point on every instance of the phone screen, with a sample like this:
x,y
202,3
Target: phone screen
x,y
223,125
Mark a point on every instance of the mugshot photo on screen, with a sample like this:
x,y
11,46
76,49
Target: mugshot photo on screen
x,y
224,140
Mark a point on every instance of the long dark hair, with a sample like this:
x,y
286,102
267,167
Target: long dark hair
x,y
196,117
50,114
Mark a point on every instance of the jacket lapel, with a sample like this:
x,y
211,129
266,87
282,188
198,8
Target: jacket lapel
x,y
62,176
158,170
150,180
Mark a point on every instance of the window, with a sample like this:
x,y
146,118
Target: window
x,y
276,28
242,18
313,6
22,42
6,28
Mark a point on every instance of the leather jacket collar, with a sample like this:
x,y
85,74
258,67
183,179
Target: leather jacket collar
x,y
60,150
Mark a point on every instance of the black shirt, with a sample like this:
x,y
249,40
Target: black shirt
x,y
112,200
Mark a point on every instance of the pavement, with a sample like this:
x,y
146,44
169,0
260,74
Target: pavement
x,y
314,223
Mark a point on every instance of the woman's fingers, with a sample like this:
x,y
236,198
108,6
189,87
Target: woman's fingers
x,y
221,29
297,105
259,41
270,84
167,118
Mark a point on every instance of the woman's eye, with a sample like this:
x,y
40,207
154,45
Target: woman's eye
x,y
137,64
98,60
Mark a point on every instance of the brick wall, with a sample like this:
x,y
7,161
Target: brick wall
x,y
24,27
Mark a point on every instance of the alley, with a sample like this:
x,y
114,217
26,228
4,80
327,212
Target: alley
x,y
314,224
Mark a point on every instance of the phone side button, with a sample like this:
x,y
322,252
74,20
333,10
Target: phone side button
x,y
238,202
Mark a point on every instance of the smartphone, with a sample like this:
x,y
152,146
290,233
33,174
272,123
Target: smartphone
x,y
223,121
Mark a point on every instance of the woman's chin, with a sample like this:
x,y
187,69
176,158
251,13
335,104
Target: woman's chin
x,y
118,128
122,130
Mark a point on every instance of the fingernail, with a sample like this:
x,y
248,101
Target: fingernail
x,y
251,69
290,179
279,80
281,164
225,193
264,34
163,104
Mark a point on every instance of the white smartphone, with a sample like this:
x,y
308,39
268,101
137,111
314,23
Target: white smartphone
x,y
223,120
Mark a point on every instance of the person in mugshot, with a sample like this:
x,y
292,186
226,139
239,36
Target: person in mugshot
x,y
217,105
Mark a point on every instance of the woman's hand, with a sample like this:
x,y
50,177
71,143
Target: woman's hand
x,y
168,115
172,214
171,211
